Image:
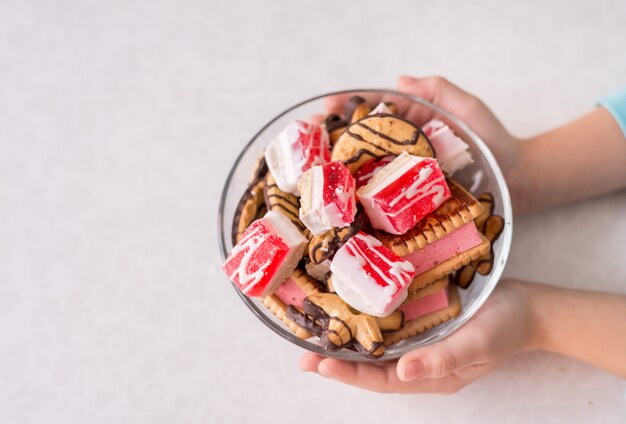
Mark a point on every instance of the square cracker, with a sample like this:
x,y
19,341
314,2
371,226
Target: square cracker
x,y
448,266
421,324
427,290
458,210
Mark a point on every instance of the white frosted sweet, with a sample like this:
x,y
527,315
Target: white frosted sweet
x,y
285,229
315,213
292,152
416,191
452,152
360,289
380,108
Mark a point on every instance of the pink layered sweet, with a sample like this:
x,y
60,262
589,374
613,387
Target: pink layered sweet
x,y
370,277
296,149
459,240
290,293
371,168
452,152
327,197
403,192
266,255
425,305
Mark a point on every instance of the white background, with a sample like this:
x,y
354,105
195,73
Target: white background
x,y
118,123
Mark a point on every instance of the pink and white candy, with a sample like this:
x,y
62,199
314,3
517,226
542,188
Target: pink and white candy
x,y
266,255
297,148
328,198
403,192
370,277
371,168
452,152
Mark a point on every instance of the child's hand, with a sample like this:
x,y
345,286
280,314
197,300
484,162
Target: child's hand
x,y
499,330
468,108
543,170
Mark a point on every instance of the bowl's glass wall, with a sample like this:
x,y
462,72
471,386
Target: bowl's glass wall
x,y
482,176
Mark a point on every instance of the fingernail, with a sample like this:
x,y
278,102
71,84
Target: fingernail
x,y
413,370
322,371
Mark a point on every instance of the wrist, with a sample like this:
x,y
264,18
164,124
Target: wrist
x,y
538,305
516,175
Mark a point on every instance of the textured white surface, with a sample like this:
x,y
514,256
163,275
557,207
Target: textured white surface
x,y
118,122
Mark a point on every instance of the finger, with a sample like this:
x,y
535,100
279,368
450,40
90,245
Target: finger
x,y
367,376
464,348
310,361
383,379
437,90
441,92
316,119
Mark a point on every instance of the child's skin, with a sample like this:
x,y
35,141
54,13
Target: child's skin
x,y
583,158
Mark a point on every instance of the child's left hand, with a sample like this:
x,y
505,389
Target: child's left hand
x,y
499,330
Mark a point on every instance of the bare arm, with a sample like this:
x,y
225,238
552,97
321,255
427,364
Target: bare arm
x,y
584,325
583,158
517,317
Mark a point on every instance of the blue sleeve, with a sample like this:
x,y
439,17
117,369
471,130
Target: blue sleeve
x,y
616,104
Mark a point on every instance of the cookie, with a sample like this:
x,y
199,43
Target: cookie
x,y
485,199
286,203
379,135
428,289
492,227
355,108
448,266
426,322
259,170
279,309
324,246
335,126
326,315
250,207
458,210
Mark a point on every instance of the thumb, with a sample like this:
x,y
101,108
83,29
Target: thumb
x,y
437,90
438,360
448,96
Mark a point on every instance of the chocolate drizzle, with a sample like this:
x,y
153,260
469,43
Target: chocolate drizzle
x,y
351,106
491,226
286,203
287,197
411,141
303,320
324,246
380,135
334,122
247,209
260,170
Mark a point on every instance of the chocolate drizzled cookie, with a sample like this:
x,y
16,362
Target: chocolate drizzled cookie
x,y
286,203
324,246
379,135
250,207
491,226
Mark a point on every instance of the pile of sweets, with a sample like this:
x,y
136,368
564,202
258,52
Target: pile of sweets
x,y
353,230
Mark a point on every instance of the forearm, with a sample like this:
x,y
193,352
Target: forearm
x,y
581,159
584,325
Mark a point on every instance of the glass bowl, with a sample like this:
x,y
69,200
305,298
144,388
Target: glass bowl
x,y
483,175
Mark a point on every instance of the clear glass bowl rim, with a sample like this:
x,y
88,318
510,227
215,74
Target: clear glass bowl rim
x,y
495,275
